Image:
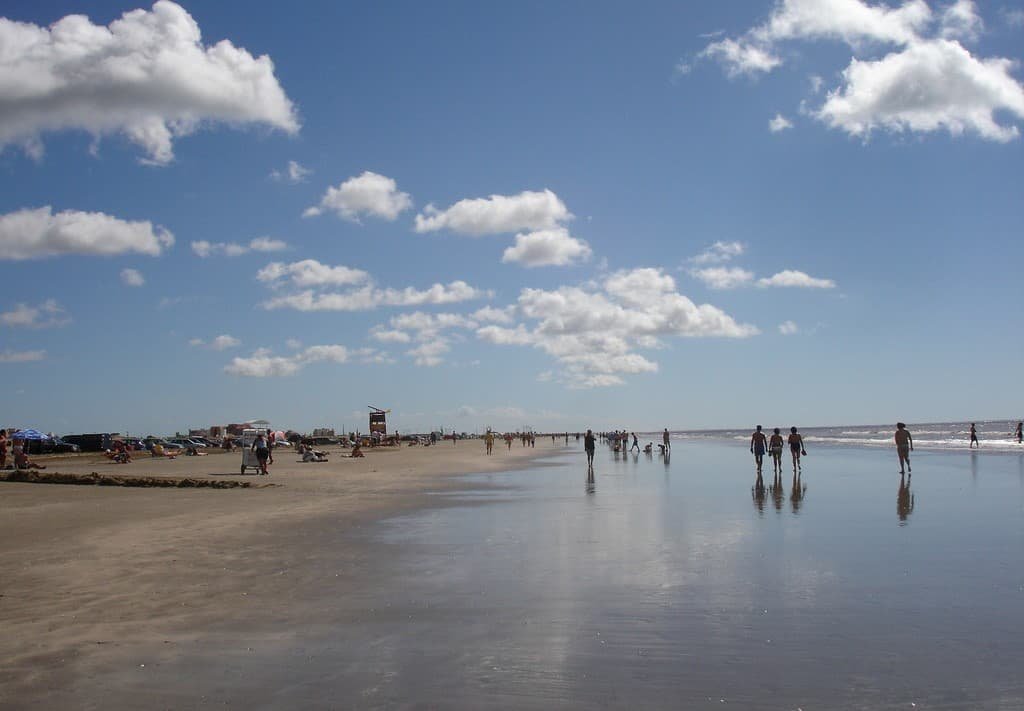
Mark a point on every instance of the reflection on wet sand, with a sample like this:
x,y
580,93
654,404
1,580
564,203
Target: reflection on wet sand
x,y
796,494
758,491
904,500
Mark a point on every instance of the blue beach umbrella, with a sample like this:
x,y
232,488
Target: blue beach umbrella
x,y
30,434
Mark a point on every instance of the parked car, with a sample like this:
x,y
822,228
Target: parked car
x,y
187,442
150,441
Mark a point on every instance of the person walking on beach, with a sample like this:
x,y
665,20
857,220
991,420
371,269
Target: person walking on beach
x,y
270,446
588,447
758,447
636,445
665,440
489,441
796,447
1019,434
775,447
262,452
974,437
904,445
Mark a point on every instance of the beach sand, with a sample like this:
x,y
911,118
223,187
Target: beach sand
x,y
97,580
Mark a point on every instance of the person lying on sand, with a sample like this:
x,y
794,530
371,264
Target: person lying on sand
x,y
159,451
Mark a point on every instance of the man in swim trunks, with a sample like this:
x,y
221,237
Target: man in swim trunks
x,y
796,447
588,447
775,447
665,439
758,445
974,437
904,445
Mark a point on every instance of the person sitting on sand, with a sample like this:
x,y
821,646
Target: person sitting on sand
x,y
357,451
311,455
21,460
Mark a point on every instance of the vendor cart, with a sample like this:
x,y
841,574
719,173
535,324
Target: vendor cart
x,y
249,460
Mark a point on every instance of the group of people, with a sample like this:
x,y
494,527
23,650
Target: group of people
x,y
19,450
761,444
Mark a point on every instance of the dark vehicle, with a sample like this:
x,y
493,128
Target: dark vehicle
x,y
59,446
99,442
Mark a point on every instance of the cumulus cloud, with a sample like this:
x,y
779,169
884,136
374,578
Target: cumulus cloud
x,y
220,343
719,252
132,277
368,194
370,297
1013,18
263,364
429,333
147,76
724,277
794,279
927,82
779,123
9,356
546,248
202,248
788,328
497,214
294,173
310,272
48,314
35,233
929,86
594,333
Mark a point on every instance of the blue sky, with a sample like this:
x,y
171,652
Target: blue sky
x,y
879,220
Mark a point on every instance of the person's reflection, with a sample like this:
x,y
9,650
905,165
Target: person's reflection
x,y
904,500
758,492
778,493
974,467
591,484
796,493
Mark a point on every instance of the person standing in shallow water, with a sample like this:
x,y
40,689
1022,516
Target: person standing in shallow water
x,y
757,448
588,447
974,437
904,445
636,445
665,440
775,447
796,447
1019,434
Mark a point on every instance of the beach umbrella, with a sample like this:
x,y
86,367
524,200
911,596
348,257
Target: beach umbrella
x,y
279,435
30,434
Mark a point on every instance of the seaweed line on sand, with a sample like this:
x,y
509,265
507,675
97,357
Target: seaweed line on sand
x,y
97,479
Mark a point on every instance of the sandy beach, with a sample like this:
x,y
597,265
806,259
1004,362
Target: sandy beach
x,y
92,576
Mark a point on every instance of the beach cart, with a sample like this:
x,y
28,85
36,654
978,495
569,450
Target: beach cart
x,y
249,460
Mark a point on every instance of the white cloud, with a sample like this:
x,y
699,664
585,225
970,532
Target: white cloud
x,y
779,123
9,356
724,277
147,75
929,86
719,252
203,248
48,314
132,277
788,328
390,335
368,194
961,20
546,248
262,364
594,332
267,244
497,214
426,330
223,342
494,315
309,273
740,58
1013,18
370,297
294,173
793,278
429,353
851,21
817,82
33,233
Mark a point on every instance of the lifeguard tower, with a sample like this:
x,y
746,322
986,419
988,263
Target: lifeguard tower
x,y
378,424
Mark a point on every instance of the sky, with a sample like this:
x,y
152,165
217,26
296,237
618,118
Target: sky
x,y
559,216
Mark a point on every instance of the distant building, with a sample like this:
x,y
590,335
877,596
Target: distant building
x,y
323,432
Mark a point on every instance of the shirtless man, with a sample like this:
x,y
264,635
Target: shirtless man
x,y
974,437
904,445
665,440
796,447
758,445
1019,434
588,447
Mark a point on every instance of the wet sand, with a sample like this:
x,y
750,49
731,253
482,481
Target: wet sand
x,y
663,585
